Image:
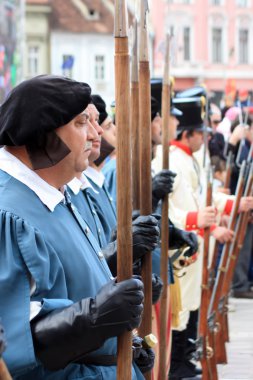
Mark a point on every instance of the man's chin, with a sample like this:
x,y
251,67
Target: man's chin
x,y
94,155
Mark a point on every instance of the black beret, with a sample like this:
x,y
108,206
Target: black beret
x,y
40,105
101,107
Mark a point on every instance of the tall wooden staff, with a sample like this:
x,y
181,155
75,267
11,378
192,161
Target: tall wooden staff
x,y
145,163
124,183
163,375
135,120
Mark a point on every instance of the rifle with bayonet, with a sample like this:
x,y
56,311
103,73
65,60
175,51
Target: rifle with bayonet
x,y
236,246
214,322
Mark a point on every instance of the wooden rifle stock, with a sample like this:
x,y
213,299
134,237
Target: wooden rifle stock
x,y
163,375
216,293
145,165
203,342
124,183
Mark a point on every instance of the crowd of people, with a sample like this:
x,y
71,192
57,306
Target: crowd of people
x,y
61,305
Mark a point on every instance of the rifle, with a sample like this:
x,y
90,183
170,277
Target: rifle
x,y
145,164
164,230
135,120
204,351
124,183
216,293
212,270
229,164
237,245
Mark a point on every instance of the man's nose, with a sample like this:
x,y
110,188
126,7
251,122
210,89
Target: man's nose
x,y
92,133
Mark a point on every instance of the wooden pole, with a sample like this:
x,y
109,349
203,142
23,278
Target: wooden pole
x,y
124,183
163,375
135,121
145,165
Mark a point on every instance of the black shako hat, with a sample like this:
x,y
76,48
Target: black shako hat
x,y
100,105
156,92
194,92
34,109
193,110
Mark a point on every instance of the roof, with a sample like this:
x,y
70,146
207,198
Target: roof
x,y
83,16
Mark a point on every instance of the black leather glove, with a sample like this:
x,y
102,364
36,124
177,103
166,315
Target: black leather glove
x,y
143,357
157,287
146,236
180,238
162,184
66,335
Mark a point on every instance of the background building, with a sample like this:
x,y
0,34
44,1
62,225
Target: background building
x,y
11,38
212,42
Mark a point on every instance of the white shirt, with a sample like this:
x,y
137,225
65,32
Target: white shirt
x,y
96,176
48,194
81,183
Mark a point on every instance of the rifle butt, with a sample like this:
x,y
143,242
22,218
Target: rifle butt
x,y
226,326
220,348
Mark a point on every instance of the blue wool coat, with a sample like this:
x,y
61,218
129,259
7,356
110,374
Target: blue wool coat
x,y
64,263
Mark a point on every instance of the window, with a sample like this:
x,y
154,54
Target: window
x,y
33,60
217,45
216,2
243,46
67,65
99,67
187,44
242,3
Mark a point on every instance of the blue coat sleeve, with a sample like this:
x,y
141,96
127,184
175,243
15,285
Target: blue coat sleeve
x,y
20,246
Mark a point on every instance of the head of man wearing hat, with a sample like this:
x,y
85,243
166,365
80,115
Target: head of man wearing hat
x,y
156,91
43,123
105,121
191,123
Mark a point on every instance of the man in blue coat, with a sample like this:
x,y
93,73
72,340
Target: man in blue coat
x,y
60,305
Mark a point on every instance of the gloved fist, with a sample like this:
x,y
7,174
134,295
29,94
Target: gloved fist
x,y
146,235
157,287
66,335
162,184
180,238
143,357
118,306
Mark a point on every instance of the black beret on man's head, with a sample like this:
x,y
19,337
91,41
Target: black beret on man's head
x,y
100,105
39,105
34,109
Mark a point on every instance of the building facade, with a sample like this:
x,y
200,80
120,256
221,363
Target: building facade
x,y
212,42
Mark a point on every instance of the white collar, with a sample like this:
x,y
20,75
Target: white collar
x,y
96,176
48,194
81,183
